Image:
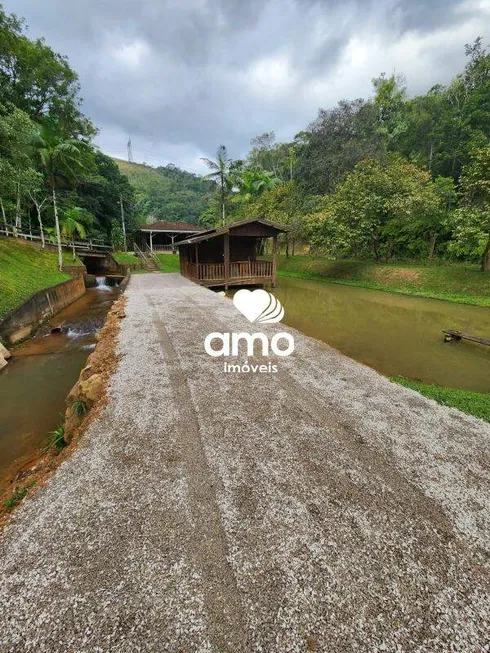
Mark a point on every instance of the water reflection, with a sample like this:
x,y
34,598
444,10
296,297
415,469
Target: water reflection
x,y
395,334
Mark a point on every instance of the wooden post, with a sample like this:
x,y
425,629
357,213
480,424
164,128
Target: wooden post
x,y
196,256
151,241
274,259
173,243
227,258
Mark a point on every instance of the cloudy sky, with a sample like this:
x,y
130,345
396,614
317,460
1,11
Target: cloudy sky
x,y
182,76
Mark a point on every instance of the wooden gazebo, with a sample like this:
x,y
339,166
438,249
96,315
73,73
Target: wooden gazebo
x,y
227,256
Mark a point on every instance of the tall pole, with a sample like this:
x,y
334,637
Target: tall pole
x,y
123,223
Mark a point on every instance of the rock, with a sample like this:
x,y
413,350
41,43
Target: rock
x,y
3,362
73,394
4,352
91,389
71,424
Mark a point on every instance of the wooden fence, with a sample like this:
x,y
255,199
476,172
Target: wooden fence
x,y
238,270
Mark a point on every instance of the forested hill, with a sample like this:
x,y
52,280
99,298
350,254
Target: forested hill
x,y
167,192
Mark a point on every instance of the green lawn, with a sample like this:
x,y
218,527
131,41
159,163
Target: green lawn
x,y
126,258
473,403
168,262
463,284
24,270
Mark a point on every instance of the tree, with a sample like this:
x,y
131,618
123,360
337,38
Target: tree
x,y
16,132
337,140
376,206
61,158
471,222
75,222
252,182
390,95
38,80
222,174
40,200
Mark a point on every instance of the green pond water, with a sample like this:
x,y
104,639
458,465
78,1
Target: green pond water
x,y
396,334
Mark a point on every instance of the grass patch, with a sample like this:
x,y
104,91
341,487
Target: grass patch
x,y
56,439
79,408
472,403
24,270
168,262
461,284
17,496
126,258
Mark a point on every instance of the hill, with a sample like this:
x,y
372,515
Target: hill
x,y
167,192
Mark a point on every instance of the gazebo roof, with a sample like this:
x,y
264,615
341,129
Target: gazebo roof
x,y
220,231
165,226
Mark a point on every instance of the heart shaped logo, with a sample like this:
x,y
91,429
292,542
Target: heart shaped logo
x,y
258,306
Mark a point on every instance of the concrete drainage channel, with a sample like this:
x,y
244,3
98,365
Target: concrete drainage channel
x,y
38,373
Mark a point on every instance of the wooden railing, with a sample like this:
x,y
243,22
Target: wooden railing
x,y
238,270
89,244
163,248
250,269
206,271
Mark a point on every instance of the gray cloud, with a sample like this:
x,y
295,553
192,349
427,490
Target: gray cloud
x,y
183,76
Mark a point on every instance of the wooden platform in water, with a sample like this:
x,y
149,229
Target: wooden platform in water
x,y
450,334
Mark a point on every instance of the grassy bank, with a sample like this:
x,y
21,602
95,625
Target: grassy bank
x,y
168,262
454,283
24,270
126,258
473,403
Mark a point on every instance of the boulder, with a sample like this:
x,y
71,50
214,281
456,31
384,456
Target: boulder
x,y
4,352
91,389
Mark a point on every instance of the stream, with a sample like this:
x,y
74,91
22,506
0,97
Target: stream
x,y
42,371
398,335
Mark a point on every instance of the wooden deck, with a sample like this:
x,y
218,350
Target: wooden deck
x,y
450,334
240,273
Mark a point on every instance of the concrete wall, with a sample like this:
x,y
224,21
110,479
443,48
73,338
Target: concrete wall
x,y
124,268
24,320
100,265
74,270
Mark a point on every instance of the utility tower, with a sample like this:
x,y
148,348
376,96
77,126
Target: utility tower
x,y
130,151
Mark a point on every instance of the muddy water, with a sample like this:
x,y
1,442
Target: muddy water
x,y
394,334
41,372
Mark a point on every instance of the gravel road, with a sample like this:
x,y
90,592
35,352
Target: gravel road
x,y
320,508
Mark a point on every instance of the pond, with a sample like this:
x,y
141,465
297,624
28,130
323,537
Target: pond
x,y
398,335
41,372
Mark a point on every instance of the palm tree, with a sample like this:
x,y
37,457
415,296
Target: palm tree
x,y
75,222
252,182
60,158
221,173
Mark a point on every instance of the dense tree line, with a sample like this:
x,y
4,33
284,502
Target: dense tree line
x,y
390,176
52,178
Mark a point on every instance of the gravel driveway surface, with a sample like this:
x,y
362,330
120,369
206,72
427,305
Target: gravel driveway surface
x,y
321,508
